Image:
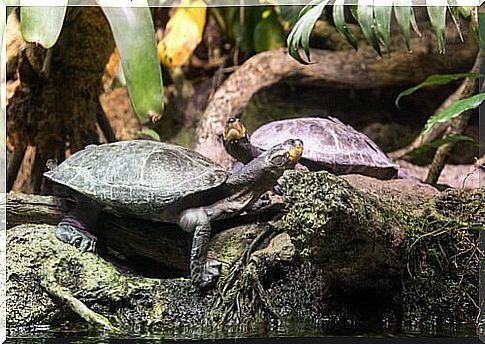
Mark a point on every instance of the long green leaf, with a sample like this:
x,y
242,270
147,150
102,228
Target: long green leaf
x,y
382,15
436,80
454,110
42,25
414,23
299,36
402,11
437,17
455,16
365,17
340,24
134,35
426,148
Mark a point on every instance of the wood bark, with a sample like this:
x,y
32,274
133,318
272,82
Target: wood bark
x,y
362,70
55,107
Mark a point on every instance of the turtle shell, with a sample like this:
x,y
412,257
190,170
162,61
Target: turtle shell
x,y
139,177
330,145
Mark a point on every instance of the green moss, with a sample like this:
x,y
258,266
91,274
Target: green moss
x,y
441,280
426,262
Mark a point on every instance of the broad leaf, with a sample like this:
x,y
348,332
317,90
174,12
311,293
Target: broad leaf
x,y
365,17
402,11
454,110
134,35
299,36
436,80
43,24
437,17
340,24
382,15
426,148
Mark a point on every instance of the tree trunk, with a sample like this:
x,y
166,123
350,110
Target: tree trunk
x,y
58,97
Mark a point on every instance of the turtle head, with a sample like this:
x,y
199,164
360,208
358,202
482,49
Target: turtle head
x,y
284,155
234,130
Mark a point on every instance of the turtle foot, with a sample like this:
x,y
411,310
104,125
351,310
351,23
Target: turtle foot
x,y
72,232
209,274
263,201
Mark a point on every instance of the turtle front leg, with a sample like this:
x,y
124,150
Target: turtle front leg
x,y
75,228
204,271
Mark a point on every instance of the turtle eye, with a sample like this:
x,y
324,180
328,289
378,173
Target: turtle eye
x,y
231,120
280,159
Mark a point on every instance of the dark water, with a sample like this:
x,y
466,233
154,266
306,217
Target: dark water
x,y
333,328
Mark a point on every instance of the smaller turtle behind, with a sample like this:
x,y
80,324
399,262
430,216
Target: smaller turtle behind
x,y
329,145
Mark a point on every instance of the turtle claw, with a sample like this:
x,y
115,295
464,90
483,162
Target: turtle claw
x,y
263,201
209,274
69,233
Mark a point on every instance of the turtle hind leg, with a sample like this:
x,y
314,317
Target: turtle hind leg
x,y
77,227
71,231
204,271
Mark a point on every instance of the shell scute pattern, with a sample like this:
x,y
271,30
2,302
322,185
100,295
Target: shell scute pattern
x,y
140,176
326,140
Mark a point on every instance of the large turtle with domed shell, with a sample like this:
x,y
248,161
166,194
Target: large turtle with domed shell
x,y
329,145
164,182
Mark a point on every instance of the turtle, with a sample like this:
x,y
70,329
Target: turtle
x,y
329,145
164,182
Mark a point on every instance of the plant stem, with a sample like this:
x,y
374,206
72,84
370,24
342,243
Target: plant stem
x,y
104,124
456,127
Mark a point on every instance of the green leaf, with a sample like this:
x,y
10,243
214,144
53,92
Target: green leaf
x,y
437,17
134,35
150,133
365,17
299,36
353,11
402,11
436,80
414,24
382,15
454,110
340,25
455,14
268,34
426,148
42,25
465,11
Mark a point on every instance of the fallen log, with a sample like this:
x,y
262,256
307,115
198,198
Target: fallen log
x,y
352,243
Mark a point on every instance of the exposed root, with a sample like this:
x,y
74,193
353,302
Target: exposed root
x,y
50,284
241,295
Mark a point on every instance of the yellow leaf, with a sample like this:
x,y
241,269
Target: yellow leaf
x,y
183,33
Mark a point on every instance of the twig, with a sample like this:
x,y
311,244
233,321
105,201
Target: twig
x,y
104,124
